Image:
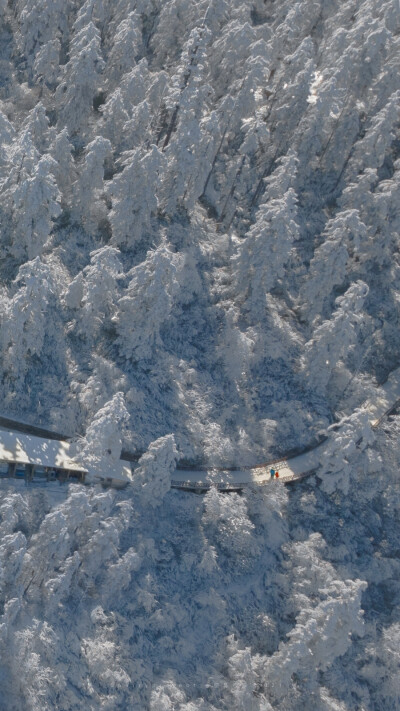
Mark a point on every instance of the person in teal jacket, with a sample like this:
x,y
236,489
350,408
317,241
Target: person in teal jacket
x,y
272,472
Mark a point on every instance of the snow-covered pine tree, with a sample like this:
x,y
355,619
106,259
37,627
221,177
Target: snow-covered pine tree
x,y
152,478
46,67
88,208
33,200
94,291
39,23
148,302
38,126
64,169
115,118
25,323
262,256
333,338
126,48
102,444
134,195
370,151
81,79
342,240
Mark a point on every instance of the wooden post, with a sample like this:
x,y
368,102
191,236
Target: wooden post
x,y
29,469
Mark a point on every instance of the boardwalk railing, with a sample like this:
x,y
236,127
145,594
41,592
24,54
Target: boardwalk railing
x,y
206,485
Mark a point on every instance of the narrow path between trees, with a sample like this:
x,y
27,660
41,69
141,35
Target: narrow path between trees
x,y
294,468
39,449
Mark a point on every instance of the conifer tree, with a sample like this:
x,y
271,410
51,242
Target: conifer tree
x,y
94,291
88,207
35,204
125,49
344,238
39,22
75,93
262,256
25,322
148,302
134,195
333,338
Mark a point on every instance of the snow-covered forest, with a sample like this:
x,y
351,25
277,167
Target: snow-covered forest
x,y
200,216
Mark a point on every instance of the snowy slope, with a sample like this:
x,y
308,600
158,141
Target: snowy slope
x,y
199,209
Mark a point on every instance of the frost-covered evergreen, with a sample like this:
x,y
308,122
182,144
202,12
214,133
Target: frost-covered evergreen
x,y
199,213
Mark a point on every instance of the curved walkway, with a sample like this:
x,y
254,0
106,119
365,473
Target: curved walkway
x,y
29,447
295,468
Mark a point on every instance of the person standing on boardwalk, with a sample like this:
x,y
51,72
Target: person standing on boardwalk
x,y
272,472
277,475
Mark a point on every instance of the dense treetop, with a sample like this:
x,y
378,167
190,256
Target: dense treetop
x,y
200,215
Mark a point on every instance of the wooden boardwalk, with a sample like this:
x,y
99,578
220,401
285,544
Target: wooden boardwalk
x,y
25,454
290,469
